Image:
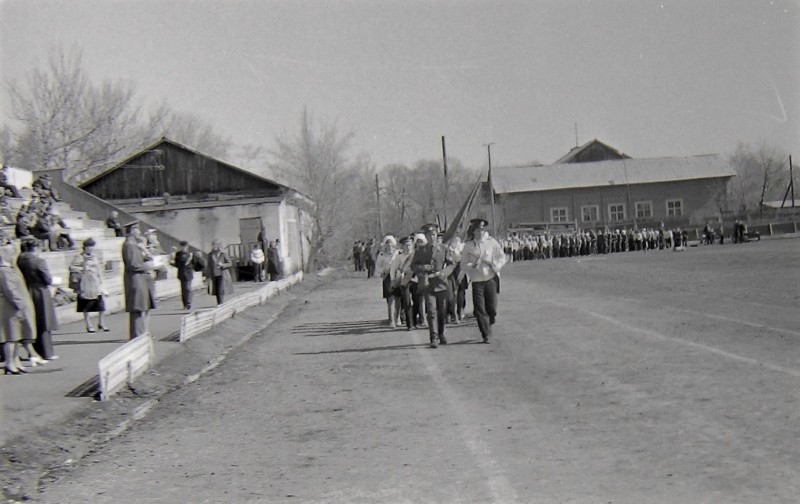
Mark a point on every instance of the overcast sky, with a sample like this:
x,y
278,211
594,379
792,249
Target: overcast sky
x,y
668,78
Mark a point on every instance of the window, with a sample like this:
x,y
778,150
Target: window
x,y
558,214
616,212
590,213
674,208
644,209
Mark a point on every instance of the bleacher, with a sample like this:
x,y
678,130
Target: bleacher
x,y
108,249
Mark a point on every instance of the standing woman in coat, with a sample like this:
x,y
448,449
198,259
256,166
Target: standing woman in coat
x,y
17,317
90,290
37,277
139,287
218,272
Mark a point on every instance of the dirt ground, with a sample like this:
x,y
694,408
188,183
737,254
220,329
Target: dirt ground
x,y
662,377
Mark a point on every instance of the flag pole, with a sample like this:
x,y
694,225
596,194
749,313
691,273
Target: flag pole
x,y
446,186
491,187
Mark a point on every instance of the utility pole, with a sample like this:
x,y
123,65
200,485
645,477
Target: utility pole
x,y
790,187
491,186
378,198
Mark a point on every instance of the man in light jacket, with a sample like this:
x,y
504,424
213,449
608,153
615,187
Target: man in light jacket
x,y
482,259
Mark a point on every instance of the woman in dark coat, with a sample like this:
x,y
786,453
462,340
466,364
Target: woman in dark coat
x,y
37,277
273,262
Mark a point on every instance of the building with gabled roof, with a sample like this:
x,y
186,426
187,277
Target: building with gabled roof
x,y
198,198
613,190
593,150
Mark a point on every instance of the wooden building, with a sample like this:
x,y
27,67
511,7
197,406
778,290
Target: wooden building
x,y
195,197
596,186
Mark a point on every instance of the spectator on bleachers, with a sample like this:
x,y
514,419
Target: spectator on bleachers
x,y
52,228
6,215
24,225
7,188
38,280
153,245
17,316
35,206
90,287
113,223
44,187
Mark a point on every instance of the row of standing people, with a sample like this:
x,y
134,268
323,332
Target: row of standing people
x,y
425,283
546,246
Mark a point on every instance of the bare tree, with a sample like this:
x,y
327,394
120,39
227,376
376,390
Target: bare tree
x,y
65,121
759,172
195,132
315,161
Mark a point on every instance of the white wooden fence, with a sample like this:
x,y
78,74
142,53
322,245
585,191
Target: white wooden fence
x,y
204,320
122,366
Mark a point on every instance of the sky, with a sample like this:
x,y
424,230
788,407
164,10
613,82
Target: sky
x,y
533,77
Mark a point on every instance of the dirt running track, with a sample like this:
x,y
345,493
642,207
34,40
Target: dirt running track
x,y
630,378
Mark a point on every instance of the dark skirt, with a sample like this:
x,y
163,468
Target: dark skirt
x,y
91,305
387,289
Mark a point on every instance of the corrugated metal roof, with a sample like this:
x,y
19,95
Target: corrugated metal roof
x,y
608,173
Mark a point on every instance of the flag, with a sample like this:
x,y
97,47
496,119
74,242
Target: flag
x,y
458,224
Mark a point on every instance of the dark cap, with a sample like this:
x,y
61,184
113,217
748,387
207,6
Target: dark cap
x,y
28,243
430,227
479,223
131,225
405,240
89,242
183,243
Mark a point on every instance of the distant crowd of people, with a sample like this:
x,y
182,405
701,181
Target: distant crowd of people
x,y
529,246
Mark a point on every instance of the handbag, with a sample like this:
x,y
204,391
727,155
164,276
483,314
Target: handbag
x,y
75,280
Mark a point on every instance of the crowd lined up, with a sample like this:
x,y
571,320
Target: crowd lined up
x,y
527,246
424,280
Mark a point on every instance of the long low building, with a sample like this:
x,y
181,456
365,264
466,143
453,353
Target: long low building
x,y
193,196
615,191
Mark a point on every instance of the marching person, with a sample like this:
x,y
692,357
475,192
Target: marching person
x,y
432,264
383,264
401,277
458,280
482,258
218,272
90,286
138,283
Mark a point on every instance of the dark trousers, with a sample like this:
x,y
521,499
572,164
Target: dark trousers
x,y
43,344
484,301
218,288
137,323
186,293
461,297
258,272
407,305
436,306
